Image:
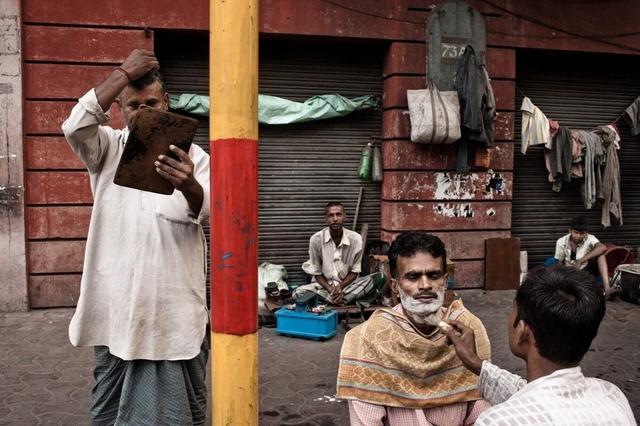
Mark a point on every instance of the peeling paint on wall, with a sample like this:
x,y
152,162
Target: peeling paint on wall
x,y
11,200
496,185
454,210
469,186
456,186
9,47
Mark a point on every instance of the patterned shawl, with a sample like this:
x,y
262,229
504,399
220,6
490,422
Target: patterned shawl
x,y
386,361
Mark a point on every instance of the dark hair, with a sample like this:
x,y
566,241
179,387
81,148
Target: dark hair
x,y
563,306
579,223
146,80
409,243
333,204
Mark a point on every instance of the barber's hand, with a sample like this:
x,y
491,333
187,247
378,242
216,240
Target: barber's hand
x,y
464,342
139,63
179,173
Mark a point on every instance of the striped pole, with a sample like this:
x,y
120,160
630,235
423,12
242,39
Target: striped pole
x,y
233,91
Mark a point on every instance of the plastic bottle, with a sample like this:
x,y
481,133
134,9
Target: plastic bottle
x,y
376,167
364,172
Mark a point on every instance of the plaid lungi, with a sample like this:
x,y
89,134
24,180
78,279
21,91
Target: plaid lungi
x,y
142,392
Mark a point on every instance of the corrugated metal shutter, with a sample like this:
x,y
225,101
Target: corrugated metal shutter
x,y
580,91
302,166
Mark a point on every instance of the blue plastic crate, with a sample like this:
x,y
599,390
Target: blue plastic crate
x,y
307,324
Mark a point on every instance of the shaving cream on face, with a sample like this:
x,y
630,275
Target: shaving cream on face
x,y
422,312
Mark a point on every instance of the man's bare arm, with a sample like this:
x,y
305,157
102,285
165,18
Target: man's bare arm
x,y
138,63
322,280
348,280
596,251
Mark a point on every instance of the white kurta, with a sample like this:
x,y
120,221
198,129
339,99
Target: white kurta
x,y
142,292
564,398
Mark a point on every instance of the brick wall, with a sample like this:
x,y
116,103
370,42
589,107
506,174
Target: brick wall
x,y
421,190
61,62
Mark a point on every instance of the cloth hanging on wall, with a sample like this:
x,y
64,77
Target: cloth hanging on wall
x,y
477,108
275,110
584,154
593,161
612,204
561,155
535,126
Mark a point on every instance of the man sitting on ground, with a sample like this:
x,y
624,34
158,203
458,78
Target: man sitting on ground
x,y
398,364
335,258
555,317
584,251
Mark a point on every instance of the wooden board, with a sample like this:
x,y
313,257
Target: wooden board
x,y
502,263
151,134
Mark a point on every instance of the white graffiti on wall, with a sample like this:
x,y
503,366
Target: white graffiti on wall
x,y
455,186
454,210
465,186
459,210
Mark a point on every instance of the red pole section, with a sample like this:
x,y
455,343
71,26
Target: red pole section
x,y
234,238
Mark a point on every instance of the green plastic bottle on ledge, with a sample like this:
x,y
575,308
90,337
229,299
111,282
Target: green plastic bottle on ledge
x,y
364,171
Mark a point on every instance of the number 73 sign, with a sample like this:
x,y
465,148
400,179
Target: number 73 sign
x,y
452,26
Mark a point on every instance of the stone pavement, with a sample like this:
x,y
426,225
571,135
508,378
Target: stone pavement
x,y
45,381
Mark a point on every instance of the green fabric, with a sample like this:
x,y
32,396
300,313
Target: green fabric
x,y
274,110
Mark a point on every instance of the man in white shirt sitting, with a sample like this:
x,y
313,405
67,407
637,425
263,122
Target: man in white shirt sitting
x,y
583,250
555,317
335,259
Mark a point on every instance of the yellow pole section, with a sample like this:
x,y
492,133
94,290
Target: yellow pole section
x,y
233,68
235,379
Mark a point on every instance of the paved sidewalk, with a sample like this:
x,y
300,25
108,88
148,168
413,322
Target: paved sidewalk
x,y
46,381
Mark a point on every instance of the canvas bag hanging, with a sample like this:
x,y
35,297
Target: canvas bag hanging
x,y
434,115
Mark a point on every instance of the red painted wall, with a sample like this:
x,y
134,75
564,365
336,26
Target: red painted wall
x,y
71,45
60,64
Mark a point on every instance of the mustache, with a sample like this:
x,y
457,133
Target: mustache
x,y
425,293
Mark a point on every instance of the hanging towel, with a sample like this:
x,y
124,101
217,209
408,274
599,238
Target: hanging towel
x,y
593,158
562,155
612,204
535,126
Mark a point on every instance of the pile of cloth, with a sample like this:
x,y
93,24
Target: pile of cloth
x,y
590,155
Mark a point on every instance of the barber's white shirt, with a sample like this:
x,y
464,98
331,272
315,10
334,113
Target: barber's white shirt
x,y
143,290
564,398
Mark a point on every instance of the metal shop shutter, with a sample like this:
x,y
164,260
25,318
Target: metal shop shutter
x,y
301,166
581,91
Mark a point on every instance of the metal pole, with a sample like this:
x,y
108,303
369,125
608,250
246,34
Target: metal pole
x,y
233,91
